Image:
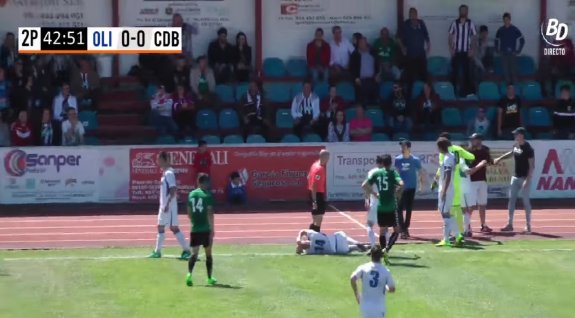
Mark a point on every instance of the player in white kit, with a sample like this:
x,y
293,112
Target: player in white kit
x,y
376,280
168,211
371,203
446,192
311,242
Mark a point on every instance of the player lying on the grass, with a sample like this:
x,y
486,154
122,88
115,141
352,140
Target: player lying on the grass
x,y
313,243
388,186
376,280
201,214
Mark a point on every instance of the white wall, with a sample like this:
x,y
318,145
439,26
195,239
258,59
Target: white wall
x,y
564,10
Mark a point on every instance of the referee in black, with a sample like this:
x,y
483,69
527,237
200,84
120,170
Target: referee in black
x,y
462,44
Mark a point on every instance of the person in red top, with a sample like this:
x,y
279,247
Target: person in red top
x,y
203,159
316,184
318,54
328,107
21,132
478,176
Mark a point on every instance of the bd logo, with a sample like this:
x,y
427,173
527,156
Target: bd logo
x,y
18,162
553,33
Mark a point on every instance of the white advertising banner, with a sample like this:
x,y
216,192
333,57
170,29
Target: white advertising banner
x,y
49,175
288,25
114,174
439,14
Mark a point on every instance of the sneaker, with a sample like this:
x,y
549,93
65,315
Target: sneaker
x,y
527,229
459,240
486,229
186,255
212,281
443,243
407,233
508,228
386,258
467,234
404,236
189,280
155,255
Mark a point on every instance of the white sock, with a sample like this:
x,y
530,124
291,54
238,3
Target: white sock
x,y
159,242
454,227
182,240
371,236
387,235
467,221
446,229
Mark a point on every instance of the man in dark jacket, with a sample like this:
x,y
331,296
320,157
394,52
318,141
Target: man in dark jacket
x,y
364,69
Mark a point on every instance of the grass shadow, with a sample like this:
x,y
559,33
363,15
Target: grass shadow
x,y
223,286
409,258
408,265
544,235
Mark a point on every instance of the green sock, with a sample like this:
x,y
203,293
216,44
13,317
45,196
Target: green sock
x,y
459,218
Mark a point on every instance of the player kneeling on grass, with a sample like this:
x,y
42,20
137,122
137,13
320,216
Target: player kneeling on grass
x,y
201,214
376,280
313,243
388,186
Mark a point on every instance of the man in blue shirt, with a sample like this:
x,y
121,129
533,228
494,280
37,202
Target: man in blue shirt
x,y
508,43
409,168
415,46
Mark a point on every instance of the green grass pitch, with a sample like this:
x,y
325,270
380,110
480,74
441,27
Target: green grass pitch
x,y
516,279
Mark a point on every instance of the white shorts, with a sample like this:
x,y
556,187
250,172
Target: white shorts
x,y
372,213
370,311
445,206
170,218
465,202
478,193
341,243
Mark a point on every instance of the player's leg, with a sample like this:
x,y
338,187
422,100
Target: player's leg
x,y
382,230
455,213
174,227
195,244
410,197
163,220
444,210
482,205
395,235
401,206
209,259
513,193
371,220
318,212
465,203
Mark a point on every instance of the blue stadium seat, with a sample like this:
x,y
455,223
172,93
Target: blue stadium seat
x,y
290,139
539,117
385,90
225,93
438,66
445,91
457,136
278,92
416,90
350,114
561,83
165,140
256,139
488,91
451,117
206,119
297,67
274,67
346,91
491,113
312,138
89,120
212,140
241,90
531,90
469,114
399,136
233,139
321,89
376,116
379,137
544,136
498,65
188,141
229,119
295,89
92,141
525,66
284,119
430,136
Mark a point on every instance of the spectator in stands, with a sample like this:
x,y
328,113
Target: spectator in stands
x,y
428,108
340,50
182,72
4,130
305,110
564,115
236,190
202,162
202,81
243,58
21,131
355,39
338,129
64,101
509,113
85,82
462,43
221,57
24,96
399,120
49,132
184,110
72,130
328,108
61,67
480,124
385,49
43,80
188,31
318,53
161,115
4,90
8,51
506,40
364,69
484,56
254,114
360,127
563,66
17,76
415,46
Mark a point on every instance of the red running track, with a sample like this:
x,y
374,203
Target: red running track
x,y
260,228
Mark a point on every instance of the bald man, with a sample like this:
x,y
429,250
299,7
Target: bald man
x,y
316,183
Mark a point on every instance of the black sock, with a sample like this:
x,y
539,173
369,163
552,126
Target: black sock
x,y
209,265
192,263
392,239
382,242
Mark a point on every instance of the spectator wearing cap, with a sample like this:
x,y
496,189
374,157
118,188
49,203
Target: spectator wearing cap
x,y
524,157
477,196
509,113
428,108
415,46
508,43
385,50
340,50
364,69
236,190
203,82
564,115
480,124
318,53
221,57
360,127
305,110
410,170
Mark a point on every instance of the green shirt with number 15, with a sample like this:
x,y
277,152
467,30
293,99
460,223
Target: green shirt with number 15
x,y
198,203
386,181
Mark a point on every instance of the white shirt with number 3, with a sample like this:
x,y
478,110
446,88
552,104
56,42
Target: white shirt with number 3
x,y
374,279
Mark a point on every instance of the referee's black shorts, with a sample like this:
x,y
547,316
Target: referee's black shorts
x,y
321,204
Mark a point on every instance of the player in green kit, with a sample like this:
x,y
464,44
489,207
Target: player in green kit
x,y
201,214
389,186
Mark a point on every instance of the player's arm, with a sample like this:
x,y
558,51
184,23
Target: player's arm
x,y
367,186
447,180
421,174
463,153
390,285
173,190
400,185
353,282
503,157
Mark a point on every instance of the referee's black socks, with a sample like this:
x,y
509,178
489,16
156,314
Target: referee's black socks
x,y
392,239
192,263
209,265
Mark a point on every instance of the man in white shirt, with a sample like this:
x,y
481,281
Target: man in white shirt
x,y
446,191
161,105
72,129
341,49
168,211
310,242
376,281
63,102
305,110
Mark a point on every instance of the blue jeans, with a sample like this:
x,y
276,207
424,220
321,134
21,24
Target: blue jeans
x,y
514,189
319,76
163,124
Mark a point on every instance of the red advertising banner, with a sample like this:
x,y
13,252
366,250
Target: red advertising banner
x,y
270,173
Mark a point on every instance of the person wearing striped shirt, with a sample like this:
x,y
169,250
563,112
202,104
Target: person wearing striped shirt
x,y
462,44
305,110
508,43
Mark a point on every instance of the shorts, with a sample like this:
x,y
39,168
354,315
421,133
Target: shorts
x,y
368,311
372,213
478,193
201,239
444,207
169,218
387,219
465,202
341,244
321,204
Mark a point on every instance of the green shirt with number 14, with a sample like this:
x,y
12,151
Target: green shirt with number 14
x,y
198,203
386,182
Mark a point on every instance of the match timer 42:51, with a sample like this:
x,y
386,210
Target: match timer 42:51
x,y
99,40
